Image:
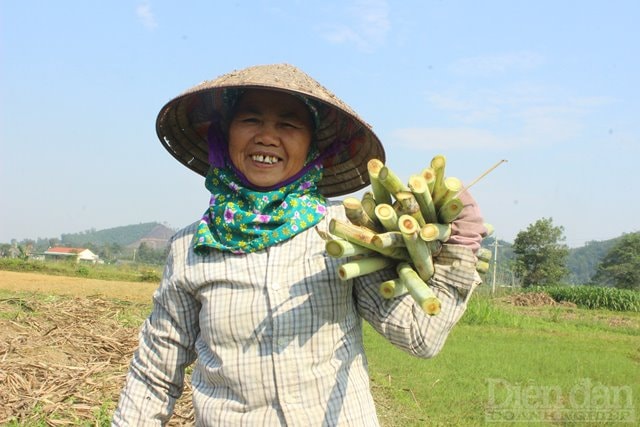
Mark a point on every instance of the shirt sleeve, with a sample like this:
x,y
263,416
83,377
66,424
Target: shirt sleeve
x,y
401,321
156,375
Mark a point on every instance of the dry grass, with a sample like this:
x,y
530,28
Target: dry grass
x,y
63,359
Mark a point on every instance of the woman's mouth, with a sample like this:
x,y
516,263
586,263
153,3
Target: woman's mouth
x,y
265,159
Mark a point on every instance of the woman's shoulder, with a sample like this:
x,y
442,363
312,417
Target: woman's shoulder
x,y
185,233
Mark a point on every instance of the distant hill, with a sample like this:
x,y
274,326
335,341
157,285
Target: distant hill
x,y
582,262
156,236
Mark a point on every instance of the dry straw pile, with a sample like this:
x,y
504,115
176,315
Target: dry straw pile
x,y
63,361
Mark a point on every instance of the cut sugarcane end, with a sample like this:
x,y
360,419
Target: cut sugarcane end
x,y
431,306
438,161
374,166
429,232
418,184
351,203
408,224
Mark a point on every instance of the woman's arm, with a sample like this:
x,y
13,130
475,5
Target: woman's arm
x,y
402,321
156,375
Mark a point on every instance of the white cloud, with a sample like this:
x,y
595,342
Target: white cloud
x,y
497,64
368,27
503,118
144,13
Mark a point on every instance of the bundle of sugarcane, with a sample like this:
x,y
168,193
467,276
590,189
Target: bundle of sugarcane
x,y
398,225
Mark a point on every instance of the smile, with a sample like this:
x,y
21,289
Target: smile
x,y
269,160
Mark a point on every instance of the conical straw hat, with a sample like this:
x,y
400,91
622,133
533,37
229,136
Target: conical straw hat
x,y
346,140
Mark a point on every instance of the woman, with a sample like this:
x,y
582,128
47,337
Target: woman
x,y
248,293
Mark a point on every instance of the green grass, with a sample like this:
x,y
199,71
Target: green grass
x,y
499,350
121,272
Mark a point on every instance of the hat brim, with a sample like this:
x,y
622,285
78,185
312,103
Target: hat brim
x,y
183,123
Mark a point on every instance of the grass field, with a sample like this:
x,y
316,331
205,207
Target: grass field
x,y
65,344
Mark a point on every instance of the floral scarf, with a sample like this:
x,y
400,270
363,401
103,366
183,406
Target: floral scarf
x,y
242,220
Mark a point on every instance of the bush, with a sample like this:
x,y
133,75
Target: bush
x,y
595,297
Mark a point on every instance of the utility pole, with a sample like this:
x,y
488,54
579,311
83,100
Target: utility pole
x,y
495,264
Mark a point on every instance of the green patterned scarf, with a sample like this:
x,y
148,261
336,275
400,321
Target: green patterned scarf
x,y
242,220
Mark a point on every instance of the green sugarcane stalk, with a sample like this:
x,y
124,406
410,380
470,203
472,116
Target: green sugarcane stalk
x,y
450,210
357,215
435,231
392,288
418,249
380,193
387,216
420,189
391,181
368,203
452,186
482,266
419,290
489,228
484,254
363,237
409,206
438,164
429,176
338,248
390,239
362,266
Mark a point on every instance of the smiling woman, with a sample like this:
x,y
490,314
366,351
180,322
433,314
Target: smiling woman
x,y
248,294
269,137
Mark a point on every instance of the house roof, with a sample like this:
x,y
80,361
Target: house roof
x,y
64,251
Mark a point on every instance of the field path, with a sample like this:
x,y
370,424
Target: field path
x,y
76,286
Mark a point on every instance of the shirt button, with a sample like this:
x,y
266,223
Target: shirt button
x,y
282,342
275,286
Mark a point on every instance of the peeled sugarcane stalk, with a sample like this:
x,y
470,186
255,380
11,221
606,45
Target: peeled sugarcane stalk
x,y
390,181
342,248
420,189
380,193
387,216
362,266
419,290
452,187
409,206
435,231
418,250
356,214
450,211
390,239
392,288
363,237
438,164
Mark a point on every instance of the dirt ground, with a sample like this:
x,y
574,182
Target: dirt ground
x,y
63,360
76,286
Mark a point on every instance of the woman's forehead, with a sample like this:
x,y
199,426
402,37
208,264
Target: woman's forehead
x,y
281,103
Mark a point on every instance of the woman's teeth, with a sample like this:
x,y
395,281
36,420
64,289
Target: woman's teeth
x,y
264,159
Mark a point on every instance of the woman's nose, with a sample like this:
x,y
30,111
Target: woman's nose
x,y
268,135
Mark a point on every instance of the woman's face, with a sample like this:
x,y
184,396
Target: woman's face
x,y
269,136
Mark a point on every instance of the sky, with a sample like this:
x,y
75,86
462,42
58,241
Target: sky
x,y
550,86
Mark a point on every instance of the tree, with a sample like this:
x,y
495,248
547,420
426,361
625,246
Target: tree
x,y
620,267
540,254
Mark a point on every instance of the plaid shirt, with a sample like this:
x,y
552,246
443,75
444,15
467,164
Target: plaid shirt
x,y
276,336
